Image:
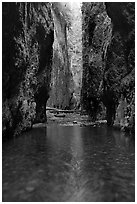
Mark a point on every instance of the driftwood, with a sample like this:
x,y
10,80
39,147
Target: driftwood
x,y
59,115
59,110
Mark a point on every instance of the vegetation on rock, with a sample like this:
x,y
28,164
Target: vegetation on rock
x,y
109,60
75,52
120,65
44,47
67,57
27,57
96,26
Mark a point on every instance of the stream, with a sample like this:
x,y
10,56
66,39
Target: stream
x,y
69,164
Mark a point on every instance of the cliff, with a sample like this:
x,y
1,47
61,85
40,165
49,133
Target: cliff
x,y
80,58
27,36
75,52
109,61
120,65
61,75
67,56
97,32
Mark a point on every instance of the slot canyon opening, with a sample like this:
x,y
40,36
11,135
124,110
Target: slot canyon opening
x,y
66,74
68,102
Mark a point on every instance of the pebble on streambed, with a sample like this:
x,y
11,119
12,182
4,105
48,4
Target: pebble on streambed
x,y
31,185
68,119
30,188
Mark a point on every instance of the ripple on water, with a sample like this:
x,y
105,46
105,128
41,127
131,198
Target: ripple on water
x,y
69,164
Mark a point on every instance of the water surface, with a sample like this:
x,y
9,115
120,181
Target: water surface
x,y
58,164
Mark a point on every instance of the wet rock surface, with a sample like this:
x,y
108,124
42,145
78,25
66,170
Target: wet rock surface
x,y
109,60
27,57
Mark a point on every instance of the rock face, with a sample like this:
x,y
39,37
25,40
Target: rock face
x,y
61,75
97,32
75,52
109,60
105,44
120,65
27,37
67,56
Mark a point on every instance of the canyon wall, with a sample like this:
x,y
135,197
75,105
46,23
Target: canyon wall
x,y
97,32
81,60
27,39
67,56
75,52
109,61
120,74
60,77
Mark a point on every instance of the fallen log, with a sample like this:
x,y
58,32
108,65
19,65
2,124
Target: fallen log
x,y
60,110
60,115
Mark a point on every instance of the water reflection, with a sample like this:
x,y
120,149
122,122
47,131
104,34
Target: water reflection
x,y
60,163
